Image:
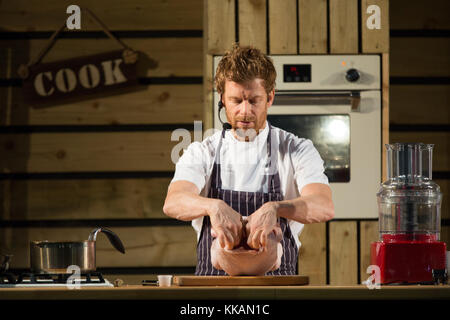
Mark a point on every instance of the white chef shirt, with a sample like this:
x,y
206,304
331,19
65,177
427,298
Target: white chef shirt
x,y
243,166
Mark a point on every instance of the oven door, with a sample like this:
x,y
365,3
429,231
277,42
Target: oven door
x,y
346,130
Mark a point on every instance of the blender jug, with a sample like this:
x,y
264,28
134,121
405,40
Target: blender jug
x,y
409,202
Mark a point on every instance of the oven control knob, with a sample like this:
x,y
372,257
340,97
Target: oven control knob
x,y
352,75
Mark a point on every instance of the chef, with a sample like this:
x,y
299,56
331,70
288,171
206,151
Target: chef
x,y
253,171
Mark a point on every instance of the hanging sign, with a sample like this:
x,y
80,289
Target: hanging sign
x,y
79,77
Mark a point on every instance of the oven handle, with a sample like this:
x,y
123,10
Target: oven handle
x,y
319,98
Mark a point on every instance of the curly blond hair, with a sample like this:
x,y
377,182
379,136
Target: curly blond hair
x,y
243,64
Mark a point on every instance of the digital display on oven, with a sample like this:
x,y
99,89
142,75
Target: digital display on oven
x,y
297,73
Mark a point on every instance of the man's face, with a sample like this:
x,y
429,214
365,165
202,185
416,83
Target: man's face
x,y
246,104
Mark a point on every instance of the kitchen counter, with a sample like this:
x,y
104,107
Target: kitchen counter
x,y
308,292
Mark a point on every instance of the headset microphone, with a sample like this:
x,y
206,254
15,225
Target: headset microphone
x,y
225,125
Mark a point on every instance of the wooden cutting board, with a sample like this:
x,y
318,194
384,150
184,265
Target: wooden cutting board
x,y
240,281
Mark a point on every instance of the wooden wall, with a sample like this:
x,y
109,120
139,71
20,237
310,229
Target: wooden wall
x,y
106,161
420,85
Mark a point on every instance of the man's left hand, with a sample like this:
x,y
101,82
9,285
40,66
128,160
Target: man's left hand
x,y
261,223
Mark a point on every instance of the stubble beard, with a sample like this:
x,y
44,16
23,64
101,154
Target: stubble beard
x,y
244,133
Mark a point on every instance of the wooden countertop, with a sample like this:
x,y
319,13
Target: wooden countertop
x,y
308,292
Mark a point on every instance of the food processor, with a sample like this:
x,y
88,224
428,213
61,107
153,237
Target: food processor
x,y
409,205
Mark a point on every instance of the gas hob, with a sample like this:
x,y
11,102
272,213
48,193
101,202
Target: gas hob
x,y
95,279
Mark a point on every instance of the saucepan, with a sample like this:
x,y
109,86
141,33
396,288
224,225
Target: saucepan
x,y
56,257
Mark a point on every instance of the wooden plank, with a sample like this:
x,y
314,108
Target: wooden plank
x,y
312,26
219,35
343,253
83,199
419,15
144,246
78,152
375,40
312,253
343,26
5,200
252,23
5,106
208,83
283,26
441,141
154,104
444,184
32,15
6,57
368,234
420,104
161,57
410,57
384,112
220,26
445,235
150,297
240,280
208,91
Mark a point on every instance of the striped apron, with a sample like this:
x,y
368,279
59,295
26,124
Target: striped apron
x,y
246,203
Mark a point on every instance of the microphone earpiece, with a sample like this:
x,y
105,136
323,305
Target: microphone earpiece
x,y
226,126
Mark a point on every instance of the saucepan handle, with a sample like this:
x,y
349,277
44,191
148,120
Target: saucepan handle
x,y
112,237
5,264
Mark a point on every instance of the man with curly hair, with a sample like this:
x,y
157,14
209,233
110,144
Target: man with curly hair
x,y
254,182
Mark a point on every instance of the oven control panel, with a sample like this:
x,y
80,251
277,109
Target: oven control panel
x,y
326,72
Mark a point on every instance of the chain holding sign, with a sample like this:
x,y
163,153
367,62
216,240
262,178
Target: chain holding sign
x,y
78,77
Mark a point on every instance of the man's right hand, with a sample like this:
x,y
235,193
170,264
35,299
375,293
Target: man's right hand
x,y
226,225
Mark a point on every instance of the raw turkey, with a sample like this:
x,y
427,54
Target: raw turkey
x,y
243,260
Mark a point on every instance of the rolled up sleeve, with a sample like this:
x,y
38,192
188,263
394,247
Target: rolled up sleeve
x,y
308,165
192,165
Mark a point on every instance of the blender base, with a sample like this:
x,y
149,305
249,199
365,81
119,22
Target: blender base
x,y
409,262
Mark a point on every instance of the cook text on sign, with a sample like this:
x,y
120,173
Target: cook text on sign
x,y
79,77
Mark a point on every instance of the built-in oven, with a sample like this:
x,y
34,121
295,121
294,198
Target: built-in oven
x,y
335,101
